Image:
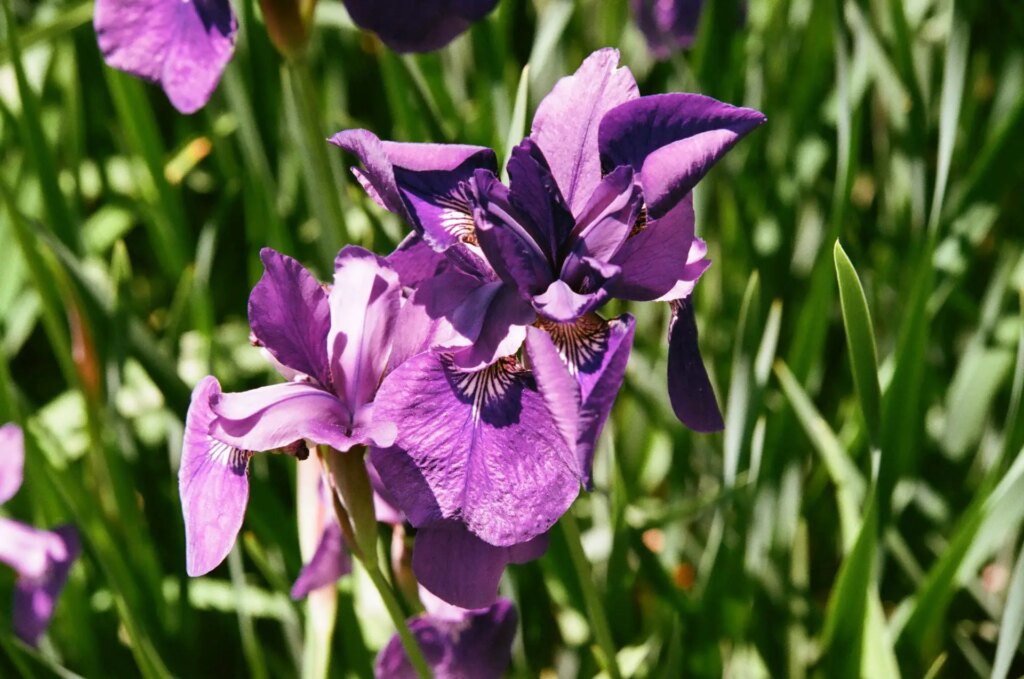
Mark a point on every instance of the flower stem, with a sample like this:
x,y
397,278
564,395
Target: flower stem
x,y
412,648
595,611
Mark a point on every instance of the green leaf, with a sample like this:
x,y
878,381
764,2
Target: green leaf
x,y
1012,625
517,128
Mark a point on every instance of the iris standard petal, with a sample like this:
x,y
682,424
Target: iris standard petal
x,y
606,221
510,249
12,460
213,483
290,316
364,306
566,124
534,193
182,45
460,568
564,303
485,445
668,25
417,25
689,387
475,645
671,140
330,561
36,591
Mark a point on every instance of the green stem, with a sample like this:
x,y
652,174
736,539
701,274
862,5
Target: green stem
x,y
595,611
412,648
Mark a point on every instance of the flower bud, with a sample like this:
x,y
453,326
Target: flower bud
x,y
288,23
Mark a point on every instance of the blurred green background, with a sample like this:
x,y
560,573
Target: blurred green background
x,y
829,531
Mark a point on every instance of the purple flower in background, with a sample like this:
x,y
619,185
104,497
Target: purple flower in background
x,y
417,25
182,44
332,346
668,25
41,558
457,643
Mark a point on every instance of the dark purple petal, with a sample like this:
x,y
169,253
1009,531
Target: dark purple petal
x,y
414,261
486,447
290,316
42,559
460,568
213,483
668,25
662,260
330,561
534,193
182,45
689,387
475,645
606,221
274,417
672,140
566,124
385,507
564,304
378,174
420,26
364,304
12,460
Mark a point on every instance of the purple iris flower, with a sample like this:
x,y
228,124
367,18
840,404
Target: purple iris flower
x,y
457,643
332,347
668,25
182,44
417,25
41,558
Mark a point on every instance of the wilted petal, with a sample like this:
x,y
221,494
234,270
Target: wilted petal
x,y
12,460
460,568
668,25
475,645
487,450
420,26
182,45
562,303
42,559
330,561
672,140
689,387
290,316
213,483
566,124
364,304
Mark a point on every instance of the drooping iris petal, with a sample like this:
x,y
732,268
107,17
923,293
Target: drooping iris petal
x,y
689,387
213,483
414,261
276,416
563,303
364,304
659,255
475,645
182,44
566,124
290,316
484,444
460,568
671,140
12,460
330,561
417,25
36,593
668,25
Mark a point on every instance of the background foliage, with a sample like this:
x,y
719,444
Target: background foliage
x,y
860,515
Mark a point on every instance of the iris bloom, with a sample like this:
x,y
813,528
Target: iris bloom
x,y
332,347
41,558
456,643
182,44
668,25
417,25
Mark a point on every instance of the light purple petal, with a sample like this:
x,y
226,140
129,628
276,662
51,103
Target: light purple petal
x,y
274,417
12,460
414,261
475,645
566,124
46,559
485,445
290,316
555,382
330,561
689,387
672,140
213,483
364,304
420,26
460,568
607,219
182,45
563,304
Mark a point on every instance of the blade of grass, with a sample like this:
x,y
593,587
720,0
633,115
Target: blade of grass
x,y
1012,625
517,128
